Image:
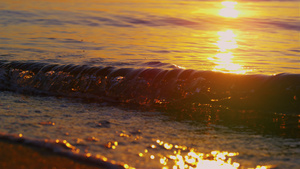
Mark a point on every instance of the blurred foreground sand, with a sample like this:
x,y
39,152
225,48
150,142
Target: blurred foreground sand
x,y
18,156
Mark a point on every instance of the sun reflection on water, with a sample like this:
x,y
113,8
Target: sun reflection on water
x,y
228,11
224,59
226,40
182,157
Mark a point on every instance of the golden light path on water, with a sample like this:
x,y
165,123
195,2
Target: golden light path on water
x,y
228,10
182,157
224,58
227,42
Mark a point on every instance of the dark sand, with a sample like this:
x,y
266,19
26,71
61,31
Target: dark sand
x,y
19,156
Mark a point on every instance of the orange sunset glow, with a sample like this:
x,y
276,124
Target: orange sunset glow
x,y
150,84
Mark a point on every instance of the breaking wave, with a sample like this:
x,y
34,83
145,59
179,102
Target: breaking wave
x,y
175,89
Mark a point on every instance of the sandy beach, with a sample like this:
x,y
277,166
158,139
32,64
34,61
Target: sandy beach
x,y
14,155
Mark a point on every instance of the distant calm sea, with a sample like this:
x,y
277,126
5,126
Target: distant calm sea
x,y
154,83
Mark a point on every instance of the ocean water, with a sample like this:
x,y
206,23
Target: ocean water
x,y
153,84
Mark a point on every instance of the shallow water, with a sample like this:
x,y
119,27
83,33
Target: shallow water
x,y
154,84
134,137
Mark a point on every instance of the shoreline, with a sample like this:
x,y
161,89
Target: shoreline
x,y
15,155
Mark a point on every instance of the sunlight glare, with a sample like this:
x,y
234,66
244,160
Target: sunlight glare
x,y
226,40
182,157
223,59
228,11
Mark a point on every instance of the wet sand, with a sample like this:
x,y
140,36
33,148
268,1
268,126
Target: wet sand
x,y
19,156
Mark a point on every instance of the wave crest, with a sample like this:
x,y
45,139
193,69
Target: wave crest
x,y
169,89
